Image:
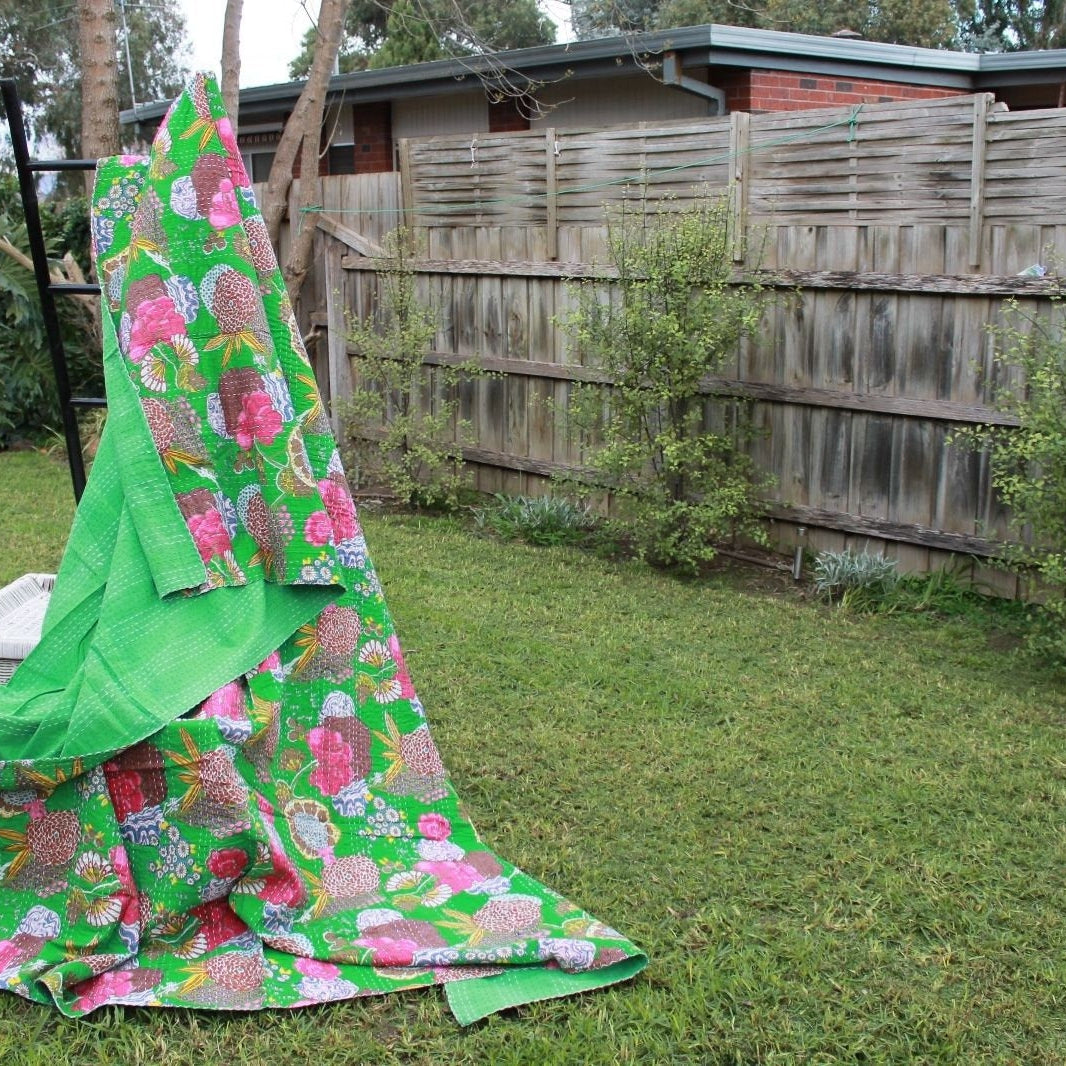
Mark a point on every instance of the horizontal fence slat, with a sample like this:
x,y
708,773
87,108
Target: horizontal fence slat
x,y
858,281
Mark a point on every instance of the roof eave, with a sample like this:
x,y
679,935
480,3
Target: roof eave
x,y
713,44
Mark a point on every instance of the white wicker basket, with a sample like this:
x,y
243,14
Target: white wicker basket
x,y
22,607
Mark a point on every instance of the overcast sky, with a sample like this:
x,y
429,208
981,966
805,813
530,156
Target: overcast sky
x,y
271,31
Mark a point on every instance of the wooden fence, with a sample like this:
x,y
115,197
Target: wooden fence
x,y
897,232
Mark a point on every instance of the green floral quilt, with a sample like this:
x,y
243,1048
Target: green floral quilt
x,y
217,784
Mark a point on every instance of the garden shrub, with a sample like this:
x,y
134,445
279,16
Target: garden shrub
x,y
672,455
29,405
1028,462
401,425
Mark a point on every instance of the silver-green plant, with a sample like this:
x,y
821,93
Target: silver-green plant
x,y
543,520
849,576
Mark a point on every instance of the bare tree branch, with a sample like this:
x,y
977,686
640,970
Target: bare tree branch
x,y
231,59
306,113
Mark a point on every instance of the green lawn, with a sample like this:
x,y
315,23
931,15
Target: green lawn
x,y
840,838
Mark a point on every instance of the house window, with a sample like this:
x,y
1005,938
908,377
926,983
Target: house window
x,y
258,164
342,159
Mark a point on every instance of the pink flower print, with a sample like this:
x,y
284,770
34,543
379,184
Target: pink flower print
x,y
434,826
9,953
407,689
333,756
258,422
120,863
218,922
238,175
389,951
271,662
227,863
209,534
224,211
318,529
124,787
224,702
284,884
458,876
327,744
338,501
97,991
157,320
332,775
324,971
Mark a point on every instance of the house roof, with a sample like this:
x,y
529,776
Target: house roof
x,y
709,45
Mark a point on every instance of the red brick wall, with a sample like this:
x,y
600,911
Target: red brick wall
x,y
778,90
504,117
373,138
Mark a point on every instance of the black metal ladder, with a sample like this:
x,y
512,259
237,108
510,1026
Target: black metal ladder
x,y
26,168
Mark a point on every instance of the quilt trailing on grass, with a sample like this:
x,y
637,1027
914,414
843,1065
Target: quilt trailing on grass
x,y
217,784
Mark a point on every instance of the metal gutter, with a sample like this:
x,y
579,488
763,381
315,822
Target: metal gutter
x,y
777,42
1049,59
673,76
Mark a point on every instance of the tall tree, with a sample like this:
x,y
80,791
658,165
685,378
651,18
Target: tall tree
x,y
98,47
924,23
602,18
1011,25
40,49
381,33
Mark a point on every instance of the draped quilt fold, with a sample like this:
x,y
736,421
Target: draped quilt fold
x,y
217,785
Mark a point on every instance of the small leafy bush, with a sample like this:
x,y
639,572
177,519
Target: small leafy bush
x,y
671,454
402,429
853,578
28,401
542,520
1028,463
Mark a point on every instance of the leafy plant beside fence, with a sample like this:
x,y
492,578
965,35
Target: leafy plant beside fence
x,y
672,453
402,431
1028,461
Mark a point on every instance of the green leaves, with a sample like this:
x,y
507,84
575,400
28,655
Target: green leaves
x,y
670,451
28,401
402,429
1028,462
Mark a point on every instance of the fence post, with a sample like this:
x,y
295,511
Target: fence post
x,y
551,146
340,369
407,200
977,175
740,163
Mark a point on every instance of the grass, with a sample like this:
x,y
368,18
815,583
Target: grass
x,y
36,507
839,837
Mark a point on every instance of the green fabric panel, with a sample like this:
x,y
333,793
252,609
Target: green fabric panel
x,y
470,1001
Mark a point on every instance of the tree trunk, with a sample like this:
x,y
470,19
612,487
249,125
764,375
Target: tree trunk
x,y
98,47
231,59
304,125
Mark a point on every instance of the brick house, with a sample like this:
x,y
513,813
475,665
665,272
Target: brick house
x,y
690,72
